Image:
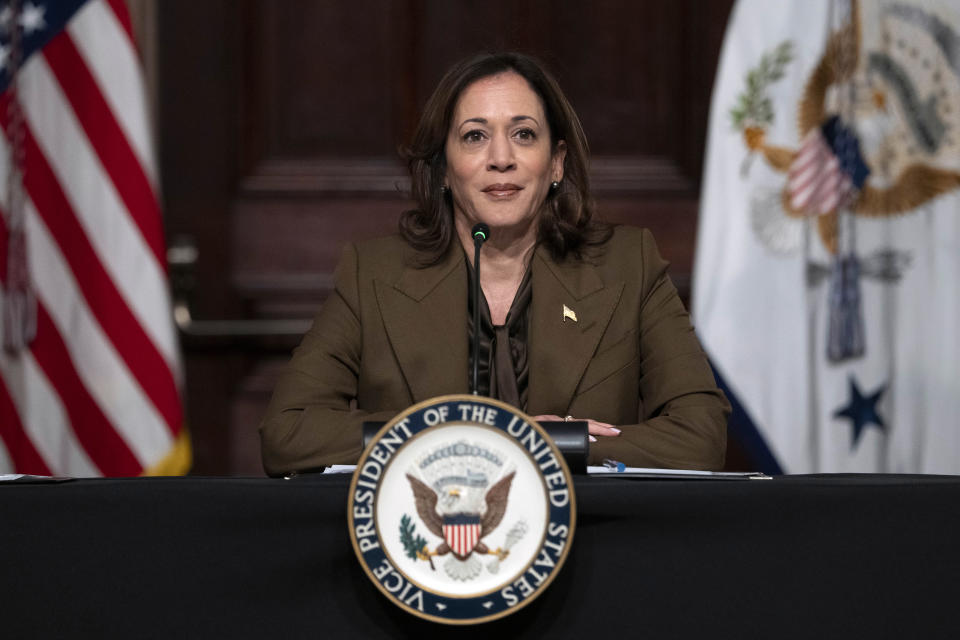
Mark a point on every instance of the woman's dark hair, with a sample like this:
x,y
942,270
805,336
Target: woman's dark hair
x,y
567,226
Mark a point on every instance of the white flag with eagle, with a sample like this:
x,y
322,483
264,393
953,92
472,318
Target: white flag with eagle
x,y
827,276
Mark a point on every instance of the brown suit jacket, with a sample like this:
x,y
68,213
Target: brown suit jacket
x,y
393,334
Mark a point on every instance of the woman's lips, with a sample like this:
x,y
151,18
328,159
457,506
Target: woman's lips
x,y
502,190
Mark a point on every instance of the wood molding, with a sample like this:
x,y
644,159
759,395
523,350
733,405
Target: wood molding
x,y
641,175
279,285
318,177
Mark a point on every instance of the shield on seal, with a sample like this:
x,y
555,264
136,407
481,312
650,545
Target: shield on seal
x,y
462,532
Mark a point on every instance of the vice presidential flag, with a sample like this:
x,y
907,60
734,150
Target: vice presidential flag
x,y
827,276
89,368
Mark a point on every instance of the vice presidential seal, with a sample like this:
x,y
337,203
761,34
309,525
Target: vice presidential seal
x,y
461,510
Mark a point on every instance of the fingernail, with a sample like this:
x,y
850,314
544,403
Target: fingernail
x,y
592,439
615,429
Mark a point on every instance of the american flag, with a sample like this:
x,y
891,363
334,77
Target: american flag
x,y
827,170
89,370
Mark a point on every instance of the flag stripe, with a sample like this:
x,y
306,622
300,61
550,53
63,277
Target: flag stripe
x,y
804,179
42,416
112,60
119,245
826,184
107,139
120,12
803,183
94,432
105,374
112,313
19,448
825,197
806,162
462,538
807,169
6,462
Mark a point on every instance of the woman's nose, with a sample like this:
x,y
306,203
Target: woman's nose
x,y
501,154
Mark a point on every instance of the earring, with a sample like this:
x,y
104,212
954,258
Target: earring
x,y
554,185
444,189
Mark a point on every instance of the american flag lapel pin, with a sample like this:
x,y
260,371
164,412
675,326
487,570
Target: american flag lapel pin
x,y
569,313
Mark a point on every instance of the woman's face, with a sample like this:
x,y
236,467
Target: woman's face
x,y
499,160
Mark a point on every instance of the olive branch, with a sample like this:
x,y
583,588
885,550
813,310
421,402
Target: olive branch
x,y
414,545
754,108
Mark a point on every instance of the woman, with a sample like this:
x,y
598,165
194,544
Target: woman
x,y
579,318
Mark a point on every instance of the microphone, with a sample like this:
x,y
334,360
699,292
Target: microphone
x,y
480,234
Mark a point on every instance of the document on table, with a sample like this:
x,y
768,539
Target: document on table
x,y
619,470
340,468
26,478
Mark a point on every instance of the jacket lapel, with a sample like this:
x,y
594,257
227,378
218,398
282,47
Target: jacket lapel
x,y
561,347
424,313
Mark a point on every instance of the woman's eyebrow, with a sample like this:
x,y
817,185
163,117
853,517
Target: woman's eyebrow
x,y
513,119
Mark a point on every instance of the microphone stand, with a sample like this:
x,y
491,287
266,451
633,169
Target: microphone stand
x,y
480,233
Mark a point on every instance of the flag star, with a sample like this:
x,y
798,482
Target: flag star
x,y
32,18
861,410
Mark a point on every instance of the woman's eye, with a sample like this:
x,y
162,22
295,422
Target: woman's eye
x,y
473,136
526,134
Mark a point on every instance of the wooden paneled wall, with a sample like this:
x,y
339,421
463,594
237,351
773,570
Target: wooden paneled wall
x,y
279,124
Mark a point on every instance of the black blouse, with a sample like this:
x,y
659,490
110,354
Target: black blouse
x,y
503,367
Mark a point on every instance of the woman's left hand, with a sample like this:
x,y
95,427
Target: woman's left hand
x,y
594,427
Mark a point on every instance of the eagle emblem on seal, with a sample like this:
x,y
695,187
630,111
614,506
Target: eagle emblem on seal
x,y
461,504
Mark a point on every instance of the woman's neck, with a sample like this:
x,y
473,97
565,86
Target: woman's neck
x,y
503,261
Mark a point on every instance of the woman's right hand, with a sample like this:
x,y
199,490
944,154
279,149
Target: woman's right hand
x,y
594,427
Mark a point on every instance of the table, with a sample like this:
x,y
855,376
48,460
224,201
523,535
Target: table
x,y
797,556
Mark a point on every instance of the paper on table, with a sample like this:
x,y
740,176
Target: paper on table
x,y
26,478
340,468
680,474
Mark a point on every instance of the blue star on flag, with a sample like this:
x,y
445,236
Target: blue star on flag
x,y
861,410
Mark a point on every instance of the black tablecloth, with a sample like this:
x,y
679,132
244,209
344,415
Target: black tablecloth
x,y
799,556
